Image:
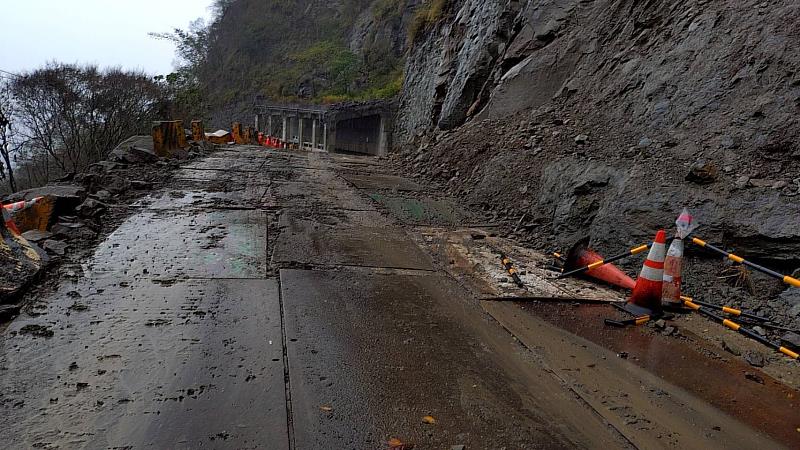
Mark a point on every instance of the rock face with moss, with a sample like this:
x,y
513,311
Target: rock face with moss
x,y
304,51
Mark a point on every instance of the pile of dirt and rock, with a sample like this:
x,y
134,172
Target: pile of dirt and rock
x,y
565,119
553,180
62,226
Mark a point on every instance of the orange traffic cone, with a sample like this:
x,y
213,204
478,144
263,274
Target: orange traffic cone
x,y
646,296
580,255
671,291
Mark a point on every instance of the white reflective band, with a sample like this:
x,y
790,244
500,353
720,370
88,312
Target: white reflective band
x,y
667,278
676,248
657,253
649,273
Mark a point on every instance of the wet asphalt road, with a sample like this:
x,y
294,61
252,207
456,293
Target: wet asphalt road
x,y
264,302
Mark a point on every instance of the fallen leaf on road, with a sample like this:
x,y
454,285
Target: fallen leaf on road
x,y
397,444
429,420
326,408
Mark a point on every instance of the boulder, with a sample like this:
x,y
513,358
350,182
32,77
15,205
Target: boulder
x,y
114,184
64,194
135,150
791,340
58,248
702,172
91,208
20,262
73,231
36,236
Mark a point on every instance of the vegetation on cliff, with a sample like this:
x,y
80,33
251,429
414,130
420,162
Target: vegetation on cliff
x,y
291,51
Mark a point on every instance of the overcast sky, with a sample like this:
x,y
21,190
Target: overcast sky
x,y
104,32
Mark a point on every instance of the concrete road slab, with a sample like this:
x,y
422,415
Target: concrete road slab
x,y
310,242
226,165
371,354
423,210
166,244
375,182
314,196
138,364
186,199
206,175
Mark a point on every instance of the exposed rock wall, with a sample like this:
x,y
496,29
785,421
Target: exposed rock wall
x,y
683,103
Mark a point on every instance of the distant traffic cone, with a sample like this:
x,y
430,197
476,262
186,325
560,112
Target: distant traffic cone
x,y
580,255
646,296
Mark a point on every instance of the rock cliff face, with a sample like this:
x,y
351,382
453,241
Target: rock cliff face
x,y
680,103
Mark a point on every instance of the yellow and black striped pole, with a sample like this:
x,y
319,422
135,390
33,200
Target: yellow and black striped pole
x,y
623,323
739,260
740,329
727,309
605,261
511,270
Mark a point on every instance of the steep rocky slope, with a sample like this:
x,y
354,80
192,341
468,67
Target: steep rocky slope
x,y
604,118
660,88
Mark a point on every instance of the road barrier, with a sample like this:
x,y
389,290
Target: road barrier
x,y
8,221
739,260
511,270
725,309
591,263
168,136
646,296
740,329
198,131
34,214
641,320
236,132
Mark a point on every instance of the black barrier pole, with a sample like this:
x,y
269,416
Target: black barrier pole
x,y
603,262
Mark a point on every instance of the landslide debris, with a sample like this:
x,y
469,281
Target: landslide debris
x,y
564,119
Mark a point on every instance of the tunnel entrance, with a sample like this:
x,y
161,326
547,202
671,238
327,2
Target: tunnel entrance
x,y
360,135
362,127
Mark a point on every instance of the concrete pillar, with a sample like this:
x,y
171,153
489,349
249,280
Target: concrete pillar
x,y
300,130
269,125
258,122
314,133
285,127
325,136
383,139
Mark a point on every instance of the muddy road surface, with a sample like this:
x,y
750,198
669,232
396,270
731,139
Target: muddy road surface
x,y
266,300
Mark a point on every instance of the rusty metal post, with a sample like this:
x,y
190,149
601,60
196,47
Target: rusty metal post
x,y
236,130
198,131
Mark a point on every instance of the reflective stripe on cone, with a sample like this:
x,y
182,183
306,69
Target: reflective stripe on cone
x,y
646,296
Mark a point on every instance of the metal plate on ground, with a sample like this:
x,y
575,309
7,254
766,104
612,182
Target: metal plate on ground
x,y
194,364
375,182
423,210
166,244
315,196
371,354
310,242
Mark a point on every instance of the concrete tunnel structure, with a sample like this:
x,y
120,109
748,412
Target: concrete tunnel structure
x,y
363,128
